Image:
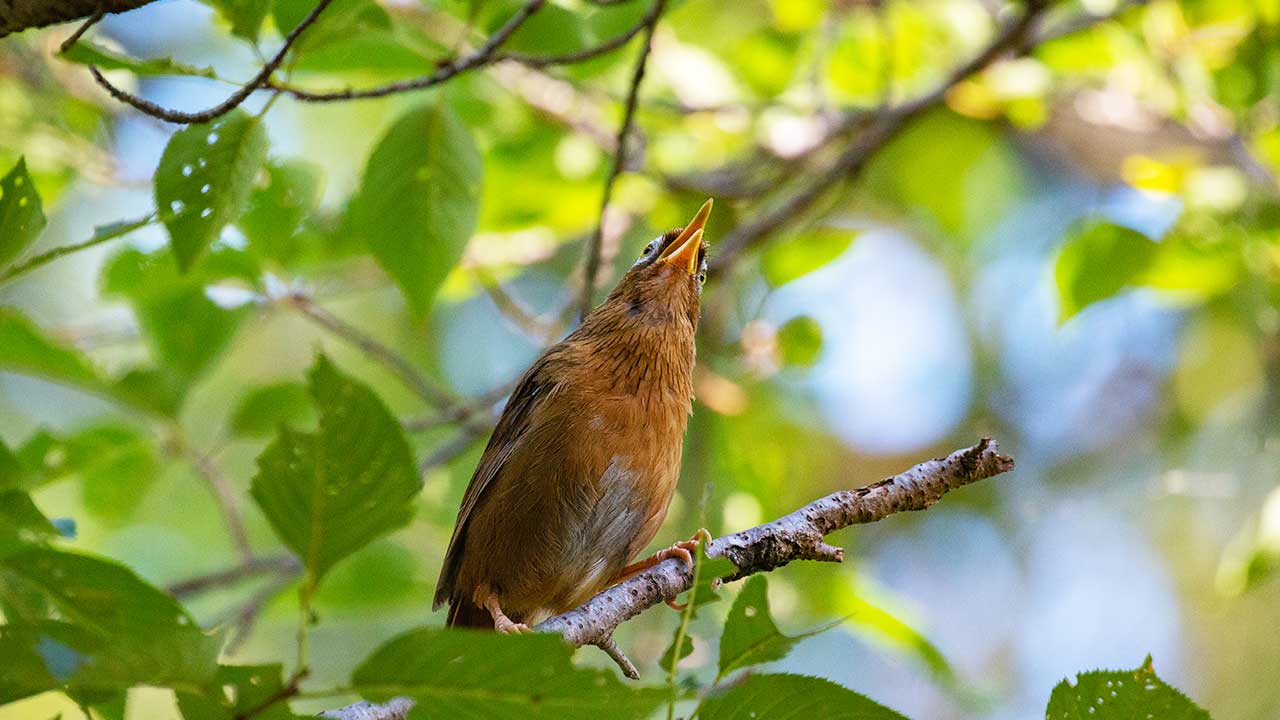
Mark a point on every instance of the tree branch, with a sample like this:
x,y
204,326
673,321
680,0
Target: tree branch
x,y
226,106
797,536
591,265
19,15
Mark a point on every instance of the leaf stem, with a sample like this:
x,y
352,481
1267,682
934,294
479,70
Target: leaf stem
x,y
98,238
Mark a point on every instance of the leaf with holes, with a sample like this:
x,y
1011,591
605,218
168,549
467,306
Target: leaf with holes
x,y
418,201
251,686
21,215
793,696
1110,695
204,178
750,636
463,673
330,493
115,630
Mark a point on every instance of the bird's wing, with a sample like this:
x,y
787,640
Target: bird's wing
x,y
531,390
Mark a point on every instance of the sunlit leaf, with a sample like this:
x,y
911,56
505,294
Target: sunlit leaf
x,y
116,631
801,254
115,465
750,636
277,208
246,16
331,493
460,673
418,201
1098,260
204,178
1122,695
87,52
800,341
792,696
552,30
21,214
265,409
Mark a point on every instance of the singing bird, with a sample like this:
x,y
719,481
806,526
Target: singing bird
x,y
578,474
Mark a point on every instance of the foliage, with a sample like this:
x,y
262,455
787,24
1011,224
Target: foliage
x,y
360,239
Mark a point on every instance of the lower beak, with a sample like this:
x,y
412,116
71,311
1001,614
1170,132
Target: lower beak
x,y
683,252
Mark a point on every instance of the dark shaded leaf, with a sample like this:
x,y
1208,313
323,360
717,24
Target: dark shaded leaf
x,y
750,636
117,631
785,696
21,214
466,674
331,493
22,525
1120,695
245,689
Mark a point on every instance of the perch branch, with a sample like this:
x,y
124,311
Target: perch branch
x,y
797,536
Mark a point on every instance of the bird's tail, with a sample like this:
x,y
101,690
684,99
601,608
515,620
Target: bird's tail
x,y
465,614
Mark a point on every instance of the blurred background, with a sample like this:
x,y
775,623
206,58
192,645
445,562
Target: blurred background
x,y
956,288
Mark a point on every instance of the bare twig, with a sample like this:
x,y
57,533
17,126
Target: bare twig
x,y
455,446
591,265
888,125
431,392
89,22
797,536
541,329
258,81
486,54
255,567
225,495
246,616
461,411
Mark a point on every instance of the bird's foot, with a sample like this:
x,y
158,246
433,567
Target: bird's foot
x,y
682,551
501,622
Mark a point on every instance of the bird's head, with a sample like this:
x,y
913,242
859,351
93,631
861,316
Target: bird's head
x,y
665,283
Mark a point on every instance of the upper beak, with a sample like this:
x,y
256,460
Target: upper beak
x,y
683,252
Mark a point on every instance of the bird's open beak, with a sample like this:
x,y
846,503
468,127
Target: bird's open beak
x,y
683,251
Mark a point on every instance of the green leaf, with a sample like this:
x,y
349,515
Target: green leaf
x,y
267,408
686,649
551,31
116,465
204,178
87,52
24,349
22,525
343,19
25,673
21,214
418,201
750,636
1098,260
116,630
277,208
249,687
800,255
330,493
460,673
246,16
800,341
185,330
783,696
1122,695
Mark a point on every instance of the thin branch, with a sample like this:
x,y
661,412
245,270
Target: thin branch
x,y
225,495
486,54
591,266
431,392
461,411
797,536
455,446
44,258
248,613
255,567
260,80
541,329
89,22
890,123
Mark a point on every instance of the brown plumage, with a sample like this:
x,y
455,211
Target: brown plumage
x,y
581,467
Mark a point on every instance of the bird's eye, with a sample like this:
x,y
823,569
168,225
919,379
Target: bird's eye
x,y
649,250
702,277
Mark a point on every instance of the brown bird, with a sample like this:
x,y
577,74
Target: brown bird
x,y
581,467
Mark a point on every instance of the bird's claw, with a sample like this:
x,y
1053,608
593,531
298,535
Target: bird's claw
x,y
505,626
